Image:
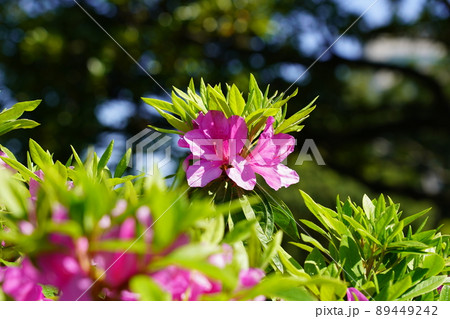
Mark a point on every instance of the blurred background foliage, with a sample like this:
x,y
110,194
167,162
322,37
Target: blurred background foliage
x,y
382,119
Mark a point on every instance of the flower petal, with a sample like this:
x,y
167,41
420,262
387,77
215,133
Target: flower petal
x,y
200,145
354,294
277,176
202,172
238,135
241,173
215,125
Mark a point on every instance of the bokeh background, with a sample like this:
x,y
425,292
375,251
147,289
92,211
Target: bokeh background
x,y
382,121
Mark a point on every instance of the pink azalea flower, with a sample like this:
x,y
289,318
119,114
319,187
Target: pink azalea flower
x,y
354,294
217,147
250,277
121,267
183,284
35,185
222,259
21,283
63,269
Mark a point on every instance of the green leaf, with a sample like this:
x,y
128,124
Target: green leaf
x,y
350,256
162,105
314,263
284,219
316,228
369,207
271,249
434,263
258,96
123,164
77,158
282,215
16,124
302,246
392,292
260,115
18,109
218,102
361,230
49,291
147,289
106,156
381,206
250,215
314,242
264,214
445,293
407,244
241,231
236,101
326,216
424,287
25,172
408,220
166,131
297,118
172,120
13,195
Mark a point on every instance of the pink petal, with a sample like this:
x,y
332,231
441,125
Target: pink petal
x,y
3,164
277,176
215,125
268,130
21,283
182,142
354,294
59,213
173,280
58,269
202,172
272,149
222,259
126,295
285,145
238,134
120,208
198,121
242,173
250,277
35,185
200,145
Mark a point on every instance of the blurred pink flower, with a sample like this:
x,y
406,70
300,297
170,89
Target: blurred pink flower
x,y
250,277
21,282
35,185
63,268
222,259
122,266
3,164
354,294
183,284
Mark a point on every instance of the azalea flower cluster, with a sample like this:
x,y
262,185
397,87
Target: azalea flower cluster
x,y
220,146
79,269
